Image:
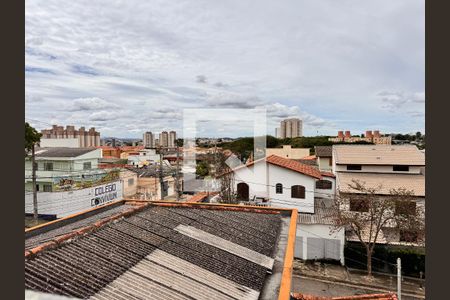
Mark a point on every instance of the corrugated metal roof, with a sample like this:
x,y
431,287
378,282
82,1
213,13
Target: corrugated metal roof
x,y
169,275
143,257
62,151
36,240
228,246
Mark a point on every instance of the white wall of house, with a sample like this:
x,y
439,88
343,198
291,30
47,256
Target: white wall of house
x,y
63,204
261,185
289,178
326,193
255,177
319,241
378,169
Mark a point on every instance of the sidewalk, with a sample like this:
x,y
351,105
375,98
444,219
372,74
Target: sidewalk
x,y
341,274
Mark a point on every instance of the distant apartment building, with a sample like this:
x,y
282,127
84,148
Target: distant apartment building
x,y
57,136
288,152
149,140
164,139
172,139
290,128
369,137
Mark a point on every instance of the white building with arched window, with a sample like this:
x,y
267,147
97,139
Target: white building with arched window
x,y
282,182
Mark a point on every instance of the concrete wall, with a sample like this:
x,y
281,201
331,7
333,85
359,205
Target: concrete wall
x,y
130,182
150,187
63,204
317,241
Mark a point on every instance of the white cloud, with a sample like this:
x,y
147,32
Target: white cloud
x,y
94,103
320,60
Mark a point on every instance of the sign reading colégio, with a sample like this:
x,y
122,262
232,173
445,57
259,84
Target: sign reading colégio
x,y
104,194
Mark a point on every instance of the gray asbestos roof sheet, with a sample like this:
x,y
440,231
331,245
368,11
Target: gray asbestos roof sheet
x,y
144,257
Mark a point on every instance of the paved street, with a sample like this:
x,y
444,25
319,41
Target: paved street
x,y
332,289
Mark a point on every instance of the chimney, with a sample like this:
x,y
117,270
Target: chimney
x,y
340,134
376,133
347,134
369,134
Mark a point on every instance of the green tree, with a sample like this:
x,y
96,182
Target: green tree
x,y
202,169
32,138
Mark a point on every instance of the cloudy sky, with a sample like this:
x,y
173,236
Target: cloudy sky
x,y
127,67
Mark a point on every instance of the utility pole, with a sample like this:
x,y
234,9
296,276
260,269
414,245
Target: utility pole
x,y
399,278
177,182
161,176
33,175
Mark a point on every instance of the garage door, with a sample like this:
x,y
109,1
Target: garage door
x,y
298,253
332,249
315,248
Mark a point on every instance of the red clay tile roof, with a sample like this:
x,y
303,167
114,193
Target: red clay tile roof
x,y
311,157
294,166
199,197
327,174
388,296
286,163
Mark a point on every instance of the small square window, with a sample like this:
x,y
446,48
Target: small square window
x,y
131,181
87,166
360,205
48,166
47,187
408,236
354,167
400,168
406,208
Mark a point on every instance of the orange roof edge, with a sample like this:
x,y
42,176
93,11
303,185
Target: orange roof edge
x,y
386,296
286,277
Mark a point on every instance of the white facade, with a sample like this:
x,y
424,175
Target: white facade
x,y
326,193
62,204
262,182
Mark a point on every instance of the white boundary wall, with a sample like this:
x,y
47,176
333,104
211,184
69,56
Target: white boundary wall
x,y
63,204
